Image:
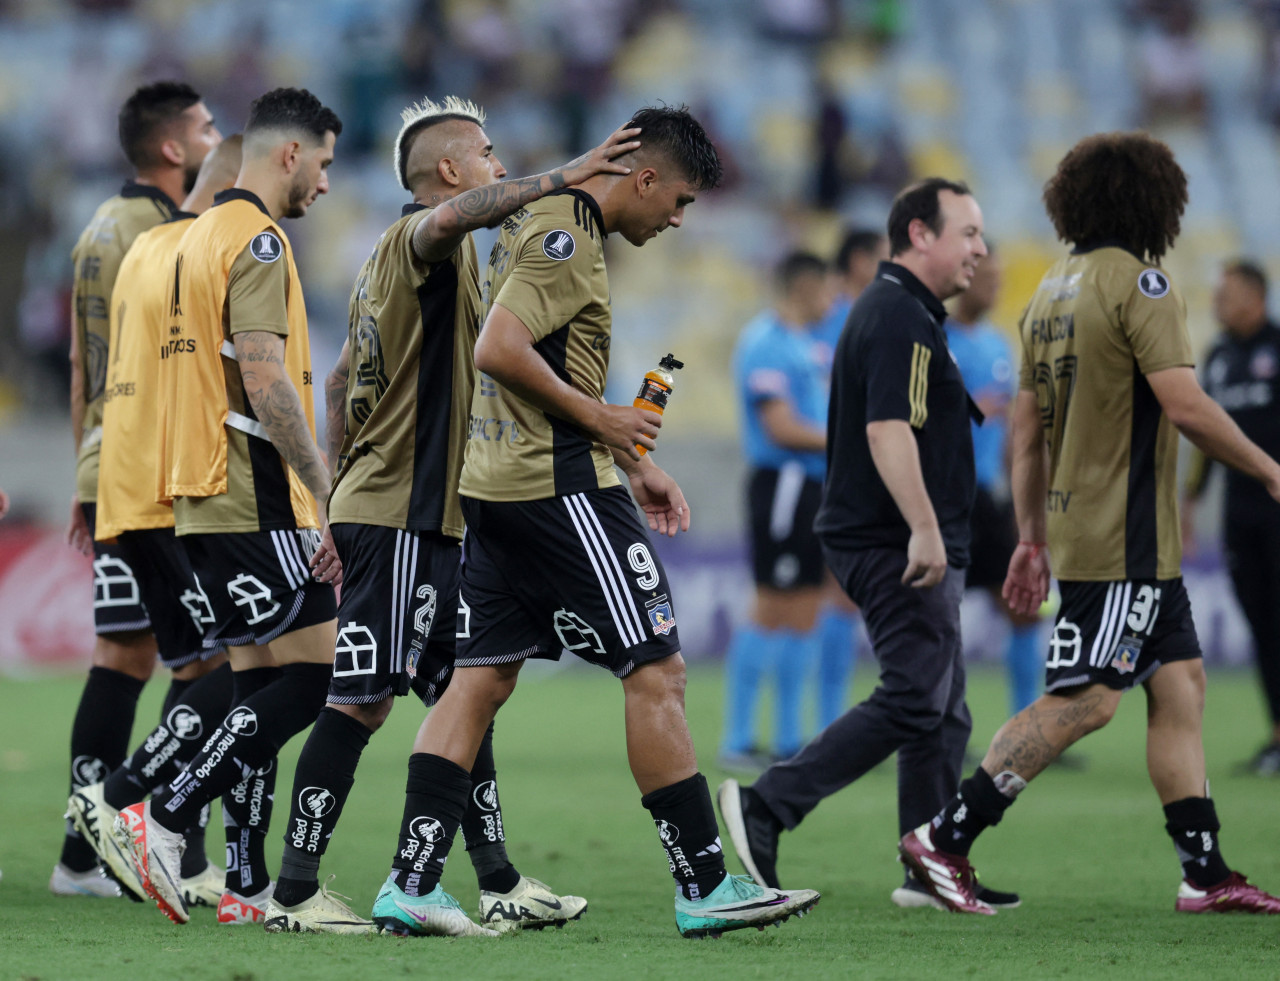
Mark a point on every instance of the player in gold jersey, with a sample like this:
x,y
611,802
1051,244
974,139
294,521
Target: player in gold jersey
x,y
248,483
398,407
165,132
539,488
1107,384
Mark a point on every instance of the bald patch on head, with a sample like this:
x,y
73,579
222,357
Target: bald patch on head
x,y
448,138
222,163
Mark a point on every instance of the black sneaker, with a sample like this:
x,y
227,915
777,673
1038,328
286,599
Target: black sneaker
x,y
1265,763
912,894
753,830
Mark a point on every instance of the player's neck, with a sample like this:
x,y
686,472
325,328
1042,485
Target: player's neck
x,y
170,180
270,189
432,195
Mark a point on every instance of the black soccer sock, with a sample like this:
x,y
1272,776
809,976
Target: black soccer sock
x,y
1193,825
326,770
979,805
194,859
183,729
435,796
252,733
482,825
171,698
246,815
99,742
687,826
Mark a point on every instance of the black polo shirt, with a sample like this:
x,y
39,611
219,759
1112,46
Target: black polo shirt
x,y
1243,376
892,362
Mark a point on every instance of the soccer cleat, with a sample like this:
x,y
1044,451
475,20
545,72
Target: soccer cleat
x,y
64,882
157,857
323,912
437,914
237,910
205,888
911,894
753,830
1233,894
948,878
531,905
738,903
93,817
1265,763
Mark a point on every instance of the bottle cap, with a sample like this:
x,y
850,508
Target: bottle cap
x,y
670,363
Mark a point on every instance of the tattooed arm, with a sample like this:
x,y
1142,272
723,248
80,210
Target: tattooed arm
x,y
275,402
335,405
483,207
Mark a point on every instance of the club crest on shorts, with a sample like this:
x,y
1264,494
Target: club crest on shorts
x,y
1127,652
558,245
265,247
1153,283
661,618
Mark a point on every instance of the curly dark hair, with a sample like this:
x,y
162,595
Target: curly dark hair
x,y
673,132
1118,187
146,114
296,110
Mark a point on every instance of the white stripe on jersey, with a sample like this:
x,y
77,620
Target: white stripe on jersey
x,y
608,575
620,576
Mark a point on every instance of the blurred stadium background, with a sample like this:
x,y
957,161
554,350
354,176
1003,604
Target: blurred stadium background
x,y
822,110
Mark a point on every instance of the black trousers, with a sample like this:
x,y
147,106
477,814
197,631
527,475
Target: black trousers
x,y
917,710
1252,539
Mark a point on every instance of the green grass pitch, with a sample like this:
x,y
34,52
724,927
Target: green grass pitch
x,y
1086,849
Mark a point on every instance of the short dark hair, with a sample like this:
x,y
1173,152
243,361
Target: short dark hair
x,y
293,110
919,200
1250,272
797,264
146,113
673,132
1118,187
864,241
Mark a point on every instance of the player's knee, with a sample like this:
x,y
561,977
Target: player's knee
x,y
198,669
132,653
371,715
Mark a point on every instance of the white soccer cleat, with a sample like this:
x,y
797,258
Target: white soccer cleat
x,y
64,882
325,912
204,888
157,856
93,817
531,905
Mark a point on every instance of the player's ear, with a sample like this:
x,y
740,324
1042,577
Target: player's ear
x,y
448,171
646,179
172,152
290,154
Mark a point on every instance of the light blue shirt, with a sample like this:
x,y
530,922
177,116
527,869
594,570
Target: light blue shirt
x,y
986,364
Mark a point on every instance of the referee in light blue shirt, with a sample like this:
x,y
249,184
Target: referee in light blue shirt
x,y
782,384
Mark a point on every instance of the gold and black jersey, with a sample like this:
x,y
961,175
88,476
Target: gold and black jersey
x,y
547,268
128,463
411,338
1099,323
234,272
96,257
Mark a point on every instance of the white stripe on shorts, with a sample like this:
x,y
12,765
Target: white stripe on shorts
x,y
786,498
285,557
608,573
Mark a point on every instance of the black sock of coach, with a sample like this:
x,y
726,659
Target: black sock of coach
x,y
322,781
99,742
482,825
1193,825
435,796
687,826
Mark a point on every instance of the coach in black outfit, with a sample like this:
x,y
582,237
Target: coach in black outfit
x,y
894,526
1242,374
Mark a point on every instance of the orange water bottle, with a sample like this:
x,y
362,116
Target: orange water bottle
x,y
656,388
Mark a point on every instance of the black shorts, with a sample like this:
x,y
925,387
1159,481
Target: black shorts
x,y
994,538
573,573
398,616
259,584
178,607
785,553
1117,633
117,594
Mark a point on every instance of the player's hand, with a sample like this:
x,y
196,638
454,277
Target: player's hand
x,y
661,500
1273,486
78,536
623,426
926,559
601,159
325,564
1026,586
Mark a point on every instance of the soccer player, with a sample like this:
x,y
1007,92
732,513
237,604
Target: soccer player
x,y
248,484
398,403
894,526
538,485
986,365
128,474
860,254
1106,385
165,132
1242,374
782,389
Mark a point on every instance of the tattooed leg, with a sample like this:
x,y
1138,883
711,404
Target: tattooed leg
x,y
1037,735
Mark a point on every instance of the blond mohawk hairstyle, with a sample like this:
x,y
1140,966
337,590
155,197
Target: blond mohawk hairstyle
x,y
424,114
